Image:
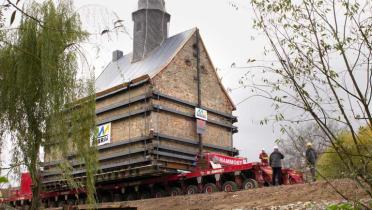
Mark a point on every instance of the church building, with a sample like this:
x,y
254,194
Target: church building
x,y
158,107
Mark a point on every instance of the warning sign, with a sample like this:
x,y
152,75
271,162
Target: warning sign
x,y
201,126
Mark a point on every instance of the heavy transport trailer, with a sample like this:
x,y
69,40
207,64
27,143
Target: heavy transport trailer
x,y
212,173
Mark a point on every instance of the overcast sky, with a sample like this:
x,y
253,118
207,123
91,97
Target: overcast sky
x,y
228,35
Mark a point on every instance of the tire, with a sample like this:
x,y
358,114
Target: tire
x,y
82,201
71,201
61,203
159,193
105,199
53,204
118,197
145,195
250,184
192,189
26,207
229,186
130,197
210,188
175,191
45,204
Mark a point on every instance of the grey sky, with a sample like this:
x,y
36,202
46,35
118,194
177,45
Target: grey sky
x,y
227,33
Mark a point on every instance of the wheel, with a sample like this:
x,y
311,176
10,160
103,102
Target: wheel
x,y
71,201
82,200
145,195
44,204
61,203
192,189
26,207
175,191
210,188
105,199
118,197
229,186
54,204
130,197
159,193
250,184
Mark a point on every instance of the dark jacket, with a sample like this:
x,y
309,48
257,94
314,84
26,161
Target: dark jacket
x,y
311,156
276,159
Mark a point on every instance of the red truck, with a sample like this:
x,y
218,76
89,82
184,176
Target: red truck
x,y
212,172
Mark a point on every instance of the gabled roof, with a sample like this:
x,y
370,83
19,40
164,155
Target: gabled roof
x,y
124,70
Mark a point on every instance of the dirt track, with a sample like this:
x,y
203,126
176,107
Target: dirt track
x,y
257,198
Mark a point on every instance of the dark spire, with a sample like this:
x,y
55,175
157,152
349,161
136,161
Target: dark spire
x,y
150,27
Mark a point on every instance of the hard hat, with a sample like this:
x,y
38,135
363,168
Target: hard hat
x,y
263,149
276,147
309,144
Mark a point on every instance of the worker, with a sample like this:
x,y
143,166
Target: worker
x,y
311,157
276,158
264,157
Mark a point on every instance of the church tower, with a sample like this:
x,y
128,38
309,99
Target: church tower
x,y
150,27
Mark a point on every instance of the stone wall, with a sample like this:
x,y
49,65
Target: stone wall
x,y
179,80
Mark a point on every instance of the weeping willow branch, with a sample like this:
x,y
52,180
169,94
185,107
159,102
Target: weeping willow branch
x,y
39,78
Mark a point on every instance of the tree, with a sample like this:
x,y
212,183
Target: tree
x,y
1,37
45,100
294,143
2,9
330,164
323,70
1,18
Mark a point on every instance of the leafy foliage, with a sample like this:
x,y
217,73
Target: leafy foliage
x,y
341,207
322,71
45,101
330,164
3,180
344,206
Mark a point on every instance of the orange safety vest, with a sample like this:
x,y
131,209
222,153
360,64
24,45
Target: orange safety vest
x,y
264,158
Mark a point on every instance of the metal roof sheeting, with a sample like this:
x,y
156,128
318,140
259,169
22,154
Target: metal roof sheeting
x,y
123,70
